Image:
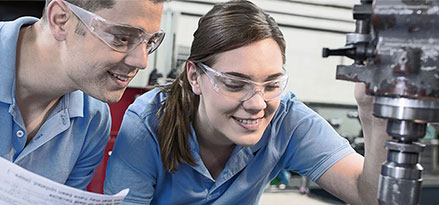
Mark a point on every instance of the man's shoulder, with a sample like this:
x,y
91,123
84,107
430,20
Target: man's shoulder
x,y
14,26
9,31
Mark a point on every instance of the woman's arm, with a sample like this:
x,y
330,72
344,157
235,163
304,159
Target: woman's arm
x,y
354,178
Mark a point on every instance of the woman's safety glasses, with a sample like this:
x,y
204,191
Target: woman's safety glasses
x,y
119,37
243,89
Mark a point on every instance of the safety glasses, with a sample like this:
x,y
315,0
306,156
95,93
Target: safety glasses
x,y
121,38
243,89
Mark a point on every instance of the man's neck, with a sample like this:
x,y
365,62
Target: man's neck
x,y
38,84
38,76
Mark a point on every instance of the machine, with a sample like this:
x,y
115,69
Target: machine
x,y
395,48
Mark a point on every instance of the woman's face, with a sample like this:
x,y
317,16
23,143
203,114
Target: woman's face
x,y
225,120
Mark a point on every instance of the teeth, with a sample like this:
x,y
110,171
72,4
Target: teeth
x,y
119,77
247,121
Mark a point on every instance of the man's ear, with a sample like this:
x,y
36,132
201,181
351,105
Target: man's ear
x,y
192,76
57,17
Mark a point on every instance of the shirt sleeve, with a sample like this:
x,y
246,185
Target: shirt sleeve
x,y
134,161
314,146
98,134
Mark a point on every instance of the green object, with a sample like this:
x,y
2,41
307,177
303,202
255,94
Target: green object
x,y
275,181
431,133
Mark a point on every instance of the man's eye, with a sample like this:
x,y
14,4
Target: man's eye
x,y
121,40
152,41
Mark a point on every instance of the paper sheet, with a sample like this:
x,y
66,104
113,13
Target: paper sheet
x,y
19,186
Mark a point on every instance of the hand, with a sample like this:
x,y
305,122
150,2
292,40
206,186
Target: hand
x,y
369,123
364,101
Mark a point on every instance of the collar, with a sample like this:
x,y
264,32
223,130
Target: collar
x,y
74,103
8,45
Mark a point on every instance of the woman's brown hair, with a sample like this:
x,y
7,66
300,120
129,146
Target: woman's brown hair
x,y
225,27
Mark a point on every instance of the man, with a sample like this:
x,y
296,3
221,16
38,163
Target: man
x,y
54,71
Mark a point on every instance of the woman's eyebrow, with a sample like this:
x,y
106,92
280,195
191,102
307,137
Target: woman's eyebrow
x,y
274,76
248,77
239,75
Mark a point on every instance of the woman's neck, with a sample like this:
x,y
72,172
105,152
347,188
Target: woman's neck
x,y
215,160
214,153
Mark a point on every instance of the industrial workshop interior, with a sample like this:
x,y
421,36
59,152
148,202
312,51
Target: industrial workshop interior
x,y
392,46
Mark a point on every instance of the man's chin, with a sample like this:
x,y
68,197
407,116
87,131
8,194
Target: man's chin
x,y
112,97
112,100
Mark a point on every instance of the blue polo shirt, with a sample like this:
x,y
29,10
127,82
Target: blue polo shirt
x,y
70,144
296,139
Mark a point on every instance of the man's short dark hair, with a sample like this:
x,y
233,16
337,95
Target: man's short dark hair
x,y
92,5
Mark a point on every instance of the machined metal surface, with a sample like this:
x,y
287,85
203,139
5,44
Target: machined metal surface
x,y
400,180
403,158
404,62
407,109
393,191
396,54
402,161
406,131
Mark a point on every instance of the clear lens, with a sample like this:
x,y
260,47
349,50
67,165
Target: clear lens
x,y
270,90
154,41
242,89
118,37
233,88
125,38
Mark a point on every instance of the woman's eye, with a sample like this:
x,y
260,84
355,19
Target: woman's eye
x,y
272,86
234,85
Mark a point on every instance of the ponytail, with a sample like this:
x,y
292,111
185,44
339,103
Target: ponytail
x,y
174,130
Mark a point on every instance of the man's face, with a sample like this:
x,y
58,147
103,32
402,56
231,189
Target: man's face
x,y
97,69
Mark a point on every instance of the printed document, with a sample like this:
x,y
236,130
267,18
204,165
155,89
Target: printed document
x,y
19,186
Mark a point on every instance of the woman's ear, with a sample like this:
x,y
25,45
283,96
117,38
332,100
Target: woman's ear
x,y
192,76
57,17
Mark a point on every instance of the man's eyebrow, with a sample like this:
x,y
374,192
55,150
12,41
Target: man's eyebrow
x,y
241,75
125,29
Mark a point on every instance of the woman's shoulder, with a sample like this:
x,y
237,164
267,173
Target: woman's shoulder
x,y
289,104
148,103
140,122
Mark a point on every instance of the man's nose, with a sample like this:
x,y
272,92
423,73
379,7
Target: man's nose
x,y
138,57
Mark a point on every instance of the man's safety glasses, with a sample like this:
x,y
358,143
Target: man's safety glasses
x,y
243,89
121,38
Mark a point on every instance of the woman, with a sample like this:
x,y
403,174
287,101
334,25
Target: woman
x,y
222,131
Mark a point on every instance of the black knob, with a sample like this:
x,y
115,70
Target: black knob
x,y
348,51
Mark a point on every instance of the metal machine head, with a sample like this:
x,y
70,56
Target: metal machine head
x,y
395,48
